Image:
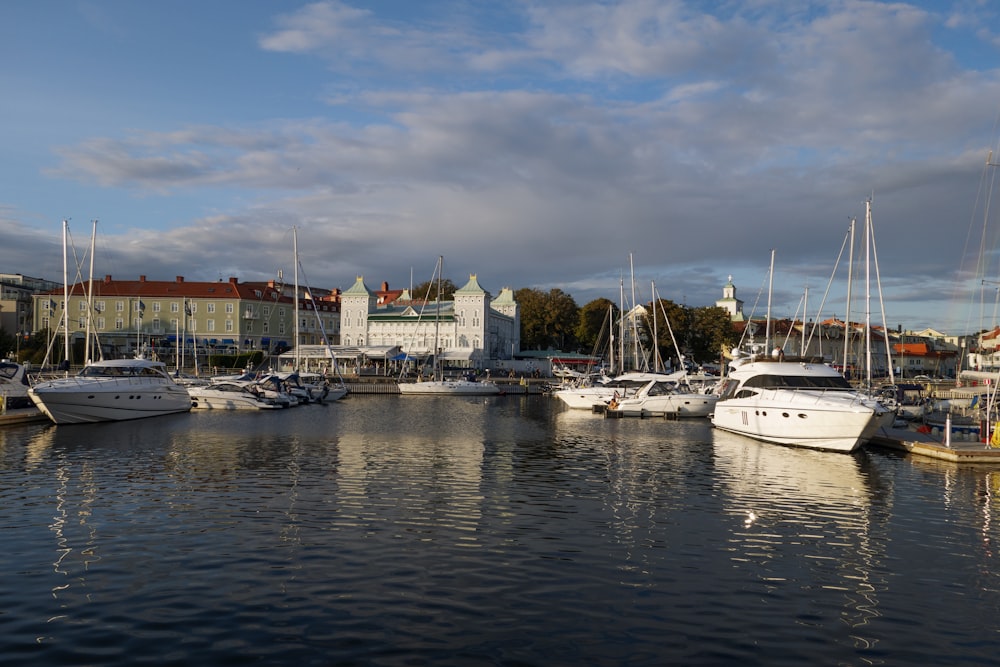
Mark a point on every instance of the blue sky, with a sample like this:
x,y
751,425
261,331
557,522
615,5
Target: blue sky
x,y
536,144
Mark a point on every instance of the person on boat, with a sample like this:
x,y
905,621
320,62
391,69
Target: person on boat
x,y
613,404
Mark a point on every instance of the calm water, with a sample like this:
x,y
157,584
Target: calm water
x,y
387,530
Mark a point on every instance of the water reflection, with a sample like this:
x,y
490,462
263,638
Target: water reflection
x,y
802,518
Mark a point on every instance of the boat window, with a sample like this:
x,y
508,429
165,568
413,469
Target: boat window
x,y
728,389
798,382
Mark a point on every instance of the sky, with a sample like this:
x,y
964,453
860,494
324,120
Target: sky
x,y
600,148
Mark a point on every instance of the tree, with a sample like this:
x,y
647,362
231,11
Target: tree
x,y
429,289
669,317
548,320
711,332
593,328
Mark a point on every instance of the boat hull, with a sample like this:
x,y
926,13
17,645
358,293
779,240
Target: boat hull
x,y
799,420
88,404
202,399
680,405
449,387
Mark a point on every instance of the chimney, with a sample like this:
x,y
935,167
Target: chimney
x,y
180,279
233,280
142,279
107,279
385,286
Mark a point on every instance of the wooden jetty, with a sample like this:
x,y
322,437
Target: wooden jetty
x,y
13,416
931,445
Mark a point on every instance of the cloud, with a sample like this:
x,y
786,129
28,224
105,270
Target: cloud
x,y
694,141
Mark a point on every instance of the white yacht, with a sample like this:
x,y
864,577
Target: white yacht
x,y
584,396
669,395
231,395
800,402
114,390
442,386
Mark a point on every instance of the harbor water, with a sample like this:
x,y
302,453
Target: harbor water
x,y
391,530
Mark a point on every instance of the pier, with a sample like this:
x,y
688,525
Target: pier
x,y
930,445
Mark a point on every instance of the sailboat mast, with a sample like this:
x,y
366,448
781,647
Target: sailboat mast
x,y
656,343
805,315
65,313
850,282
437,319
770,291
621,322
90,295
295,252
635,325
611,346
868,293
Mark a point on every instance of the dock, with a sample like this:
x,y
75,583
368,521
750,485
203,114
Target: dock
x,y
930,445
13,416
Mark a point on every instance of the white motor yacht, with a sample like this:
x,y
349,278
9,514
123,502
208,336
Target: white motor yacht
x,y
113,390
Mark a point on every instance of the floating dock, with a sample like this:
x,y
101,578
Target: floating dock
x,y
22,416
932,445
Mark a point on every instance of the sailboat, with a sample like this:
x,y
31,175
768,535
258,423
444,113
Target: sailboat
x,y
438,385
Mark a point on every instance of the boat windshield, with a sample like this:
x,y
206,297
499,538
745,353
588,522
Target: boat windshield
x,y
119,371
798,382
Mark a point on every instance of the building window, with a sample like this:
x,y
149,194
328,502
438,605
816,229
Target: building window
x,y
119,324
119,306
175,307
229,326
211,307
83,306
210,325
156,306
229,308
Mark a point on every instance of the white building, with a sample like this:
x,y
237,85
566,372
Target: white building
x,y
729,301
474,330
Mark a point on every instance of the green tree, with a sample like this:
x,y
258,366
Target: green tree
x,y
668,317
548,320
429,289
593,328
711,332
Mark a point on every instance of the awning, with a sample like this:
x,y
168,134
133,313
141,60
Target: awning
x,y
460,354
381,351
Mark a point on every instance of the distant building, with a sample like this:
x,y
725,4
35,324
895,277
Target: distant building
x,y
229,317
472,330
730,303
16,293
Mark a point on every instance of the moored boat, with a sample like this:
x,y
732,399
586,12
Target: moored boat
x,y
669,395
799,402
111,390
231,395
